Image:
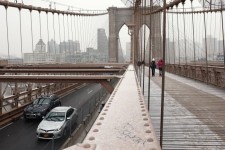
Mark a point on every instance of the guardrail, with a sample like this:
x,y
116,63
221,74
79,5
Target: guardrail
x,y
16,112
214,75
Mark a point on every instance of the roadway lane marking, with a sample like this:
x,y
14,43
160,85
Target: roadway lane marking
x,y
6,126
90,91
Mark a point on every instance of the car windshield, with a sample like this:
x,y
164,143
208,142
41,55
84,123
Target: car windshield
x,y
55,116
42,101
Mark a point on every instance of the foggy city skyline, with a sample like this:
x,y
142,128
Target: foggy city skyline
x,y
91,24
77,28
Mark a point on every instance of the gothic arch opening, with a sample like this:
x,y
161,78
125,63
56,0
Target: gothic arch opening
x,y
144,43
124,44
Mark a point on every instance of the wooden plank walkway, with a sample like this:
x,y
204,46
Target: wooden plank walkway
x,y
194,114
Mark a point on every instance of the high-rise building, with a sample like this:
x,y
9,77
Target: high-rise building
x,y
102,44
53,47
40,47
211,44
69,47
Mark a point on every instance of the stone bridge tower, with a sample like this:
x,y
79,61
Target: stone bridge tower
x,y
125,16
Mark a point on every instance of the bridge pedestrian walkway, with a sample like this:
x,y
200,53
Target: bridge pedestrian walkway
x,y
194,114
124,123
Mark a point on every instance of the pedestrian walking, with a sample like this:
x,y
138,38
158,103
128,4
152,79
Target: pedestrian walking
x,y
153,66
160,66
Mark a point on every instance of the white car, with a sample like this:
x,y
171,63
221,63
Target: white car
x,y
57,123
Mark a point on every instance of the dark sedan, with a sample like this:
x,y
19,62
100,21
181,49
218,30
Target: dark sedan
x,y
41,106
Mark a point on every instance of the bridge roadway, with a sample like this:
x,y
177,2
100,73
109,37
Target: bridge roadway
x,y
21,135
194,114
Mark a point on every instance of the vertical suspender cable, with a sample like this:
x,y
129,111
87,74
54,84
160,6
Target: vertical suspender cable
x,y
65,51
178,36
173,41
60,44
185,44
168,50
206,54
144,16
193,37
163,74
150,54
7,29
32,38
69,38
141,45
85,33
160,45
215,32
221,12
53,16
21,38
75,35
71,21
40,25
48,37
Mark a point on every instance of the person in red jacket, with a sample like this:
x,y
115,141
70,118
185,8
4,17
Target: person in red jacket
x,y
160,66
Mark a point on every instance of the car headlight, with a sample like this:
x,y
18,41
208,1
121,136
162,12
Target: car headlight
x,y
38,114
38,129
58,129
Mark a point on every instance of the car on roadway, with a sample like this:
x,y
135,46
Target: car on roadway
x,y
41,106
57,123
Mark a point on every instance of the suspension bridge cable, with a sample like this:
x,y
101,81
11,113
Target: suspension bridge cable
x,y
178,35
223,35
60,49
48,36
71,25
143,65
54,42
174,54
206,51
32,37
185,46
69,41
64,30
168,40
215,17
40,27
21,38
193,38
150,53
7,30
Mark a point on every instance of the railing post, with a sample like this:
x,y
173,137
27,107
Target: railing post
x,y
16,93
29,94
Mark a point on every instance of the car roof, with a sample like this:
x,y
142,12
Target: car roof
x,y
61,109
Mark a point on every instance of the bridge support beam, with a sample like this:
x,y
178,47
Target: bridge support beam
x,y
107,86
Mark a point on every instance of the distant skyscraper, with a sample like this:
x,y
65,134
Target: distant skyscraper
x,y
211,44
53,47
102,42
40,47
69,47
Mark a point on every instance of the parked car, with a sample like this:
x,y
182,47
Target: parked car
x,y
41,106
57,123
